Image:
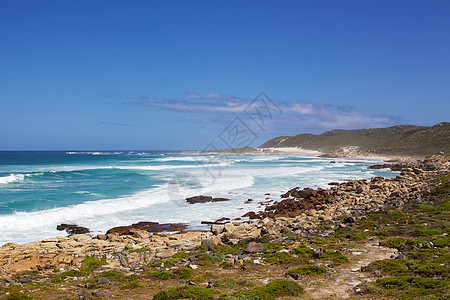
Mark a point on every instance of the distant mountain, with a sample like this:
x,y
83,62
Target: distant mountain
x,y
408,140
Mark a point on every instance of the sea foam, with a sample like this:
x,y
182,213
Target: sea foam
x,y
12,178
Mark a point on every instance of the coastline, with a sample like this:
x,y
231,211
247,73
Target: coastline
x,y
294,151
136,248
350,154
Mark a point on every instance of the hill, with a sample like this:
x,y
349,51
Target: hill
x,y
400,140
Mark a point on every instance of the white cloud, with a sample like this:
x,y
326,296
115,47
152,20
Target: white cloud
x,y
296,115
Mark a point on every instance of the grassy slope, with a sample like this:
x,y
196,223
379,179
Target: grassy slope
x,y
399,140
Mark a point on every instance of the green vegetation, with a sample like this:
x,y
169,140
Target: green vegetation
x,y
409,287
425,272
88,266
280,258
185,292
303,251
90,263
307,270
168,262
131,285
64,275
17,296
165,275
207,259
283,287
256,294
141,250
181,255
337,257
277,288
113,275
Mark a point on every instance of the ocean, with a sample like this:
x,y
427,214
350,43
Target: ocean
x,y
100,190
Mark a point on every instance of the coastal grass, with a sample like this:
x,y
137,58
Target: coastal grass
x,y
17,296
167,262
421,233
186,292
88,266
114,275
307,270
172,274
270,291
336,257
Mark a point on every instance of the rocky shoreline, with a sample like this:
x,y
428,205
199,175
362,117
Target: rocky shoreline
x,y
130,248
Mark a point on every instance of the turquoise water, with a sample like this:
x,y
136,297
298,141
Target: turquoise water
x,y
39,190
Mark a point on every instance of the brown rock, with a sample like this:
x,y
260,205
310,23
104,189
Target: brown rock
x,y
254,247
204,199
72,229
147,226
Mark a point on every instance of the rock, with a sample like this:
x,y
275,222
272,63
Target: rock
x,y
318,253
326,218
100,294
72,229
193,267
253,247
204,199
251,215
236,234
217,229
211,242
349,220
293,275
255,233
229,227
312,213
102,237
165,254
147,226
210,284
103,280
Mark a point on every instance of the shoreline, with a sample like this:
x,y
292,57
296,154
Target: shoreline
x,y
387,164
297,152
303,213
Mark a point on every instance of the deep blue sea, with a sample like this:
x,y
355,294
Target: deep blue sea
x,y
100,190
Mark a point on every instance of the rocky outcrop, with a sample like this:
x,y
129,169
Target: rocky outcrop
x,y
72,229
204,199
356,197
147,226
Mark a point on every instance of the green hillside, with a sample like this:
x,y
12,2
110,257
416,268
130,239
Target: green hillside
x,y
395,140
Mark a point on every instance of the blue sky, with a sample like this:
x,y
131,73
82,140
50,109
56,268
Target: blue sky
x,y
173,74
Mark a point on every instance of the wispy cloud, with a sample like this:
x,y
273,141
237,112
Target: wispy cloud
x,y
212,103
297,116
